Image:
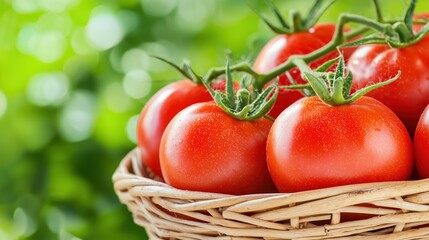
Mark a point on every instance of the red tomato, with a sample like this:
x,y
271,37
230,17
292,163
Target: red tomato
x,y
421,145
421,17
280,48
313,145
409,95
159,111
205,149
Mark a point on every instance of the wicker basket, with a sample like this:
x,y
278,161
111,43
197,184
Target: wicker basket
x,y
399,210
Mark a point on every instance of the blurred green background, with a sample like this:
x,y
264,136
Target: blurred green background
x,y
74,75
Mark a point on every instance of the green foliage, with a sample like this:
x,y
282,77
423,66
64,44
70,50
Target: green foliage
x,y
74,74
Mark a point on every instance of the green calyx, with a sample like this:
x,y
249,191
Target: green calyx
x,y
244,105
334,88
397,34
297,22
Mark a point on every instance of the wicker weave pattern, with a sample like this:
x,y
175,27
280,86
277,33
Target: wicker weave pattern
x,y
401,210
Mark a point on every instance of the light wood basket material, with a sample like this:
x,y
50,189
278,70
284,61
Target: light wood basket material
x,y
399,210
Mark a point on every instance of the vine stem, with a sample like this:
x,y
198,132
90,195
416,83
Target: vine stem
x,y
339,38
241,67
378,10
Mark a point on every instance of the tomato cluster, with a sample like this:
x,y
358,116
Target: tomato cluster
x,y
306,143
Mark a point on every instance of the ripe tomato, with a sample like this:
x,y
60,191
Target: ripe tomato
x,y
159,111
409,95
205,149
313,145
280,48
421,145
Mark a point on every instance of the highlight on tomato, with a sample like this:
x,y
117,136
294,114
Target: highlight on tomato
x,y
220,146
335,138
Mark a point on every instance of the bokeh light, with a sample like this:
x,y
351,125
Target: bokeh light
x,y
3,104
158,49
25,6
137,83
116,99
57,22
27,38
47,46
104,31
193,18
77,117
48,89
135,59
50,46
129,20
80,43
131,128
159,8
24,225
57,5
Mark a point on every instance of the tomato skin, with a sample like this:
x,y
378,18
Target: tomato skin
x,y
420,16
409,95
421,145
313,145
159,111
281,47
205,149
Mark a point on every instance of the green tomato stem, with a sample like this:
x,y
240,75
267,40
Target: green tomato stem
x,y
409,15
240,67
318,86
229,86
316,11
355,33
339,38
296,22
378,10
404,33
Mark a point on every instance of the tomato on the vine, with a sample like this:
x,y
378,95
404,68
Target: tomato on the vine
x,y
314,145
159,111
280,48
409,95
205,149
421,145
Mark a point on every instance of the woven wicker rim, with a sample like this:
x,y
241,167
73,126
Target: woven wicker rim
x,y
399,210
